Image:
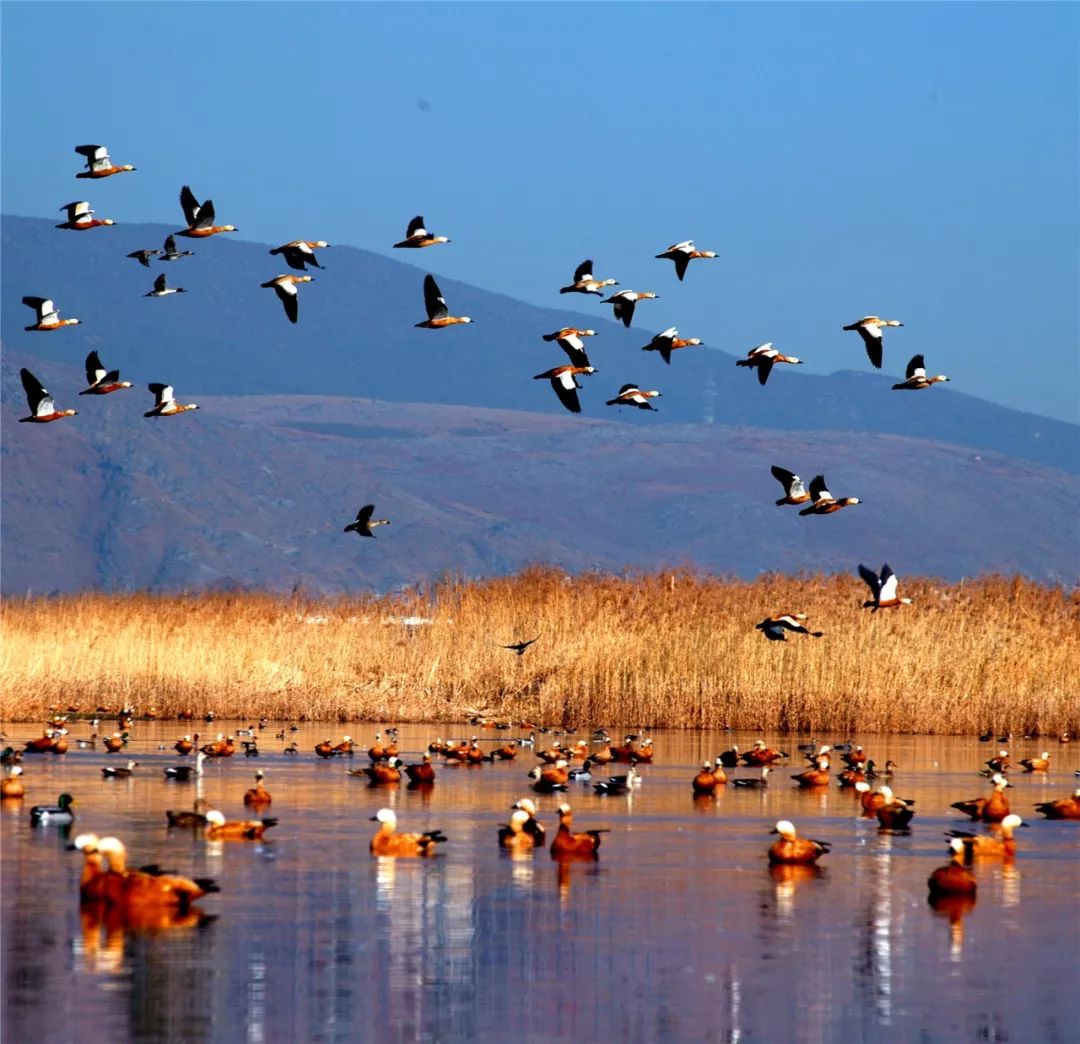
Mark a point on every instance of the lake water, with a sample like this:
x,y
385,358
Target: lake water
x,y
679,931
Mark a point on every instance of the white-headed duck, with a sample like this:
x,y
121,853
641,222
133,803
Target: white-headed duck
x,y
668,341
763,358
988,846
80,217
915,377
438,315
792,849
564,382
682,254
417,236
584,283
165,404
1063,808
42,407
258,796
218,829
822,501
883,588
514,835
624,301
48,318
632,395
98,163
569,339
992,809
364,523
1039,764
300,253
387,842
147,886
869,328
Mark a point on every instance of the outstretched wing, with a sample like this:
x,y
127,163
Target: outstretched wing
x,y
583,271
190,206
434,301
566,389
37,398
416,225
94,370
818,489
916,368
871,579
888,584
793,485
871,336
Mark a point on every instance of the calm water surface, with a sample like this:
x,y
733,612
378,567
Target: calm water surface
x,y
679,931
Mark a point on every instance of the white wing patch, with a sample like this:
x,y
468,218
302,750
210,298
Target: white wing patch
x,y
887,593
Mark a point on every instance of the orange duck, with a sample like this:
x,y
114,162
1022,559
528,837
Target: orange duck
x,y
954,878
759,754
437,311
41,404
387,842
708,779
98,163
217,829
1064,808
80,217
792,849
147,886
424,772
258,797
381,771
992,809
567,844
514,835
11,786
200,217
185,745
987,846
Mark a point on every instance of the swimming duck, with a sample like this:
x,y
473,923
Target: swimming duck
x,y
565,385
668,341
1063,808
624,301
760,754
387,842
774,627
424,772
619,785
162,289
170,253
567,844
583,774
954,878
217,829
223,747
532,826
200,217
80,217
98,163
185,745
706,781
182,773
883,588
584,283
893,813
59,814
569,339
514,836
417,236
730,758
11,786
822,501
987,846
143,256
815,777
123,772
1000,763
382,771
48,318
42,407
165,404
992,809
364,523
550,778
285,287
754,782
682,254
915,377
258,796
869,329
148,886
300,253
763,358
195,818
99,380
92,879
437,311
632,395
1039,764
792,849
794,490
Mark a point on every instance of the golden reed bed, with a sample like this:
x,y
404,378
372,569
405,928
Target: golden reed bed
x,y
670,649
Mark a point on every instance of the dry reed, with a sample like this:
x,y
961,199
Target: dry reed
x,y
671,649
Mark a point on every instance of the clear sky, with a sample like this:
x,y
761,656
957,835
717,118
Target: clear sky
x,y
912,160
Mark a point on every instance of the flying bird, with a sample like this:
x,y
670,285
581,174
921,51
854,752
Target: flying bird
x,y
100,381
165,404
869,328
161,289
98,164
774,627
170,253
794,490
682,254
285,287
437,312
668,341
763,358
42,407
300,253
916,378
143,256
822,501
364,523
624,301
584,283
81,217
564,382
48,318
882,587
632,395
569,339
418,236
520,647
199,217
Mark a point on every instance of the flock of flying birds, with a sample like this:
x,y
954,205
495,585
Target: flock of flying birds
x,y
200,220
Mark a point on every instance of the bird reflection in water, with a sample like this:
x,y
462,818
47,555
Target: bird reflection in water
x,y
955,908
105,927
787,877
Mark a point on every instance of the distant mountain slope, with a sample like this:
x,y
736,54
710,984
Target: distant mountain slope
x,y
356,337
254,491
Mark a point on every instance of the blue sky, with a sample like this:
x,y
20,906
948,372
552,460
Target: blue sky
x,y
916,161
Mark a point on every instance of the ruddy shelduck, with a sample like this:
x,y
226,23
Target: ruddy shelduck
x,y
162,288
100,381
760,754
565,385
632,395
422,772
42,407
822,502
763,358
364,523
706,781
584,283
954,878
300,253
48,318
992,809
883,588
794,490
624,301
682,254
417,236
915,377
987,846
438,314
893,813
80,217
165,404
668,341
219,829
11,786
382,771
815,777
98,163
1063,808
569,339
567,844
1039,764
775,627
532,826
869,329
285,287
199,217
514,836
257,796
387,842
147,886
791,849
